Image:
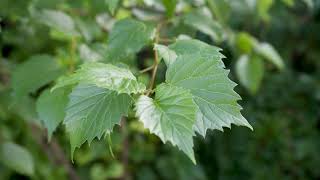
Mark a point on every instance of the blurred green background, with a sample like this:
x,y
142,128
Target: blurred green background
x,y
280,89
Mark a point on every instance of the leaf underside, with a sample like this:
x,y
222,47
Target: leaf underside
x,y
171,116
107,76
93,111
204,75
196,96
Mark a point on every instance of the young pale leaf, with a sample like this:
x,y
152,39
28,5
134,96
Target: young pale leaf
x,y
127,37
89,30
245,42
309,3
263,7
107,76
17,158
89,55
220,8
93,111
250,72
35,73
269,53
205,24
170,6
51,108
204,75
198,48
112,5
57,20
289,3
171,116
168,55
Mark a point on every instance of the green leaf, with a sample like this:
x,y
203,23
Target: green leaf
x,y
263,7
171,116
250,72
93,111
90,30
127,37
112,5
205,24
36,72
245,42
24,107
58,21
220,8
17,158
309,3
50,108
197,48
107,76
289,3
269,53
168,55
204,75
170,6
88,54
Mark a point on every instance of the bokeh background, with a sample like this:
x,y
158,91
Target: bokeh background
x,y
282,102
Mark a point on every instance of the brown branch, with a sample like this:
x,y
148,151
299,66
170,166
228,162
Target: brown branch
x,y
53,151
125,149
156,60
146,69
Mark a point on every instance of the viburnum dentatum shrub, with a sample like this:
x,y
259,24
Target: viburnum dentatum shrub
x,y
97,86
137,85
196,95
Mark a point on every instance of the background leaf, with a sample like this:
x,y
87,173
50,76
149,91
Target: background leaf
x,y
250,70
269,53
263,7
58,21
220,8
170,6
17,158
112,5
165,53
289,3
127,37
245,42
204,24
36,72
51,108
88,54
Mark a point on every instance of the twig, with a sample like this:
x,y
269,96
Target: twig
x,y
156,60
145,8
125,149
146,69
73,48
53,150
166,40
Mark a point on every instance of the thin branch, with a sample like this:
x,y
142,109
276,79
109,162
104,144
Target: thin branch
x,y
166,40
145,8
156,60
147,69
73,48
125,149
53,151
